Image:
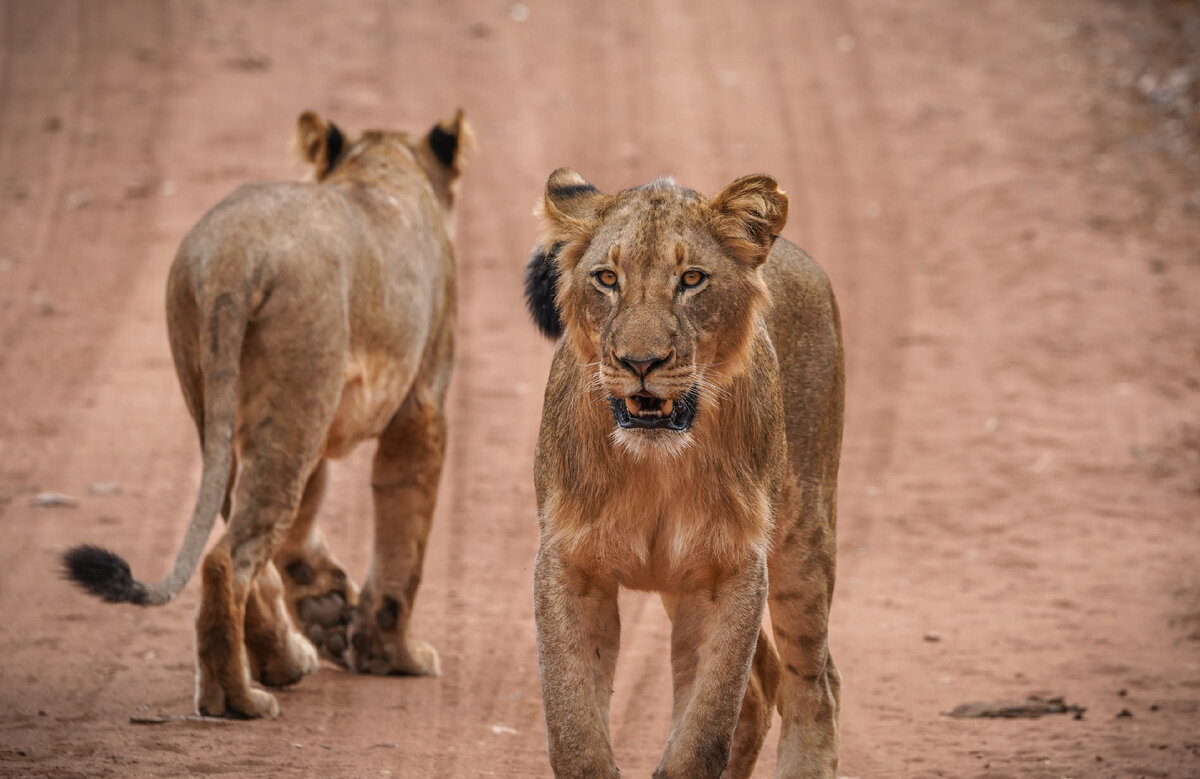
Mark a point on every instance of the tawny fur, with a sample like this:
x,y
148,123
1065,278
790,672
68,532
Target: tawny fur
x,y
305,318
705,515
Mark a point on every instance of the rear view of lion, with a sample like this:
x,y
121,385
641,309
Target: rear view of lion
x,y
689,445
305,318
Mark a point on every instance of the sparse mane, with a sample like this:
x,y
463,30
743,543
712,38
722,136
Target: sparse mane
x,y
541,289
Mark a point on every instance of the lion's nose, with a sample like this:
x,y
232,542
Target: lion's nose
x,y
641,365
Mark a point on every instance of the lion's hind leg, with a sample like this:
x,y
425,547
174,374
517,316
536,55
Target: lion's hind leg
x,y
223,687
283,418
278,654
801,574
758,707
320,596
265,500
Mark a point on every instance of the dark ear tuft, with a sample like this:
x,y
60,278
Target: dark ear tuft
x,y
335,141
450,141
103,574
571,208
541,287
571,190
318,142
444,145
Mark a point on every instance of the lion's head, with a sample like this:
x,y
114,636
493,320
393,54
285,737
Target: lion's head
x,y
658,288
439,153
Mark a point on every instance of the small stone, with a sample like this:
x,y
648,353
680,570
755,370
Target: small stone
x,y
932,636
1124,713
78,199
518,12
139,189
53,500
43,305
103,488
479,29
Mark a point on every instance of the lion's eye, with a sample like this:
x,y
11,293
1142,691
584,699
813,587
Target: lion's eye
x,y
692,278
607,278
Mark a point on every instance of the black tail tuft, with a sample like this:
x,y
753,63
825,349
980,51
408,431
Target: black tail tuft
x,y
541,282
103,574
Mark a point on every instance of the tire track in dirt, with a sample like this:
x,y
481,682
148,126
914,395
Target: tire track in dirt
x,y
858,226
83,205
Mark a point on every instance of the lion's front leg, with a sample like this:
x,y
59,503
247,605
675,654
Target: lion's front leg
x,y
578,636
404,479
714,634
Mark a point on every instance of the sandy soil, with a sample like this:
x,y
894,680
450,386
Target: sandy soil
x,y
1004,192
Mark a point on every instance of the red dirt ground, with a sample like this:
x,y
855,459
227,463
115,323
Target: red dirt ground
x,y
1005,193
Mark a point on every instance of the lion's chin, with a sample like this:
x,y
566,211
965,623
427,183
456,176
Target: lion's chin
x,y
644,443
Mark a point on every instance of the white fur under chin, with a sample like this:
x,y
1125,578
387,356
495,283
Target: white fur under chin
x,y
646,444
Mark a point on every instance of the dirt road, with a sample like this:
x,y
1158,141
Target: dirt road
x,y
1005,194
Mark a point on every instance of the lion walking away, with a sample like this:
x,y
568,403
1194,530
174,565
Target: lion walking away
x,y
305,318
689,445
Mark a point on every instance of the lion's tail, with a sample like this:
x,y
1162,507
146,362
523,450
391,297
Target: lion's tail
x,y
104,573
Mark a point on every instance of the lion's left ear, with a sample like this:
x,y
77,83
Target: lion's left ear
x,y
748,215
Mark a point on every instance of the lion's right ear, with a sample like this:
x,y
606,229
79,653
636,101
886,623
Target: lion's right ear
x,y
318,142
570,209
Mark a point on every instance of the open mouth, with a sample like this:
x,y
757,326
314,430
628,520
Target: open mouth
x,y
646,411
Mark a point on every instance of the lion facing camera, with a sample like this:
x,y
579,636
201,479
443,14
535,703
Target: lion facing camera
x,y
689,445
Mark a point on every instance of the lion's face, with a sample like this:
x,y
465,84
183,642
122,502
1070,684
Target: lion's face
x,y
659,290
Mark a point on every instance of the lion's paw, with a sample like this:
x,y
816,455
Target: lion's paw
x,y
322,600
379,645
297,659
252,704
325,620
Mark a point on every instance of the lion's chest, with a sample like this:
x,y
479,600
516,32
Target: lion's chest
x,y
668,530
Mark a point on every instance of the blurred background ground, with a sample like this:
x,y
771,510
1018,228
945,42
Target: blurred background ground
x,y
1005,193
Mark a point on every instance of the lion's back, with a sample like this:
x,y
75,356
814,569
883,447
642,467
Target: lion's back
x,y
806,331
270,220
